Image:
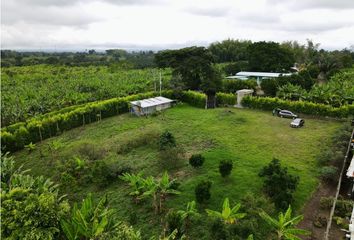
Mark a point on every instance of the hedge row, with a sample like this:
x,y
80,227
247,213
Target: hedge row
x,y
16,136
226,99
268,103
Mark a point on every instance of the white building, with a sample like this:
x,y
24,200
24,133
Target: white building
x,y
150,105
258,75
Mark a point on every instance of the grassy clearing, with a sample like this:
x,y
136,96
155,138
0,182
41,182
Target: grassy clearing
x,y
250,138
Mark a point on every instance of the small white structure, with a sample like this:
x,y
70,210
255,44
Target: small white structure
x,y
241,94
258,75
150,105
350,171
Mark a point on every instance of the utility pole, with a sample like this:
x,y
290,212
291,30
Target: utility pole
x,y
160,83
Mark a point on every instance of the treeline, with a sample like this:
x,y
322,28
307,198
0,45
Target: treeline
x,y
240,55
120,57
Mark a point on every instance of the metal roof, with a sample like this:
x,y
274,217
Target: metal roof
x,y
350,171
261,74
150,102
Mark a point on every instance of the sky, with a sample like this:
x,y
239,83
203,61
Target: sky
x,y
160,24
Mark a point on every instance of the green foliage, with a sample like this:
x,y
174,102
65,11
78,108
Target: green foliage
x,y
174,221
14,137
218,230
285,226
33,90
196,160
193,65
267,103
269,57
90,220
225,167
202,191
30,206
157,189
235,67
167,140
30,147
329,173
230,215
232,85
225,99
278,183
230,50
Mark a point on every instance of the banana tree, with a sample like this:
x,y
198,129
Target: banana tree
x,y
190,212
285,225
165,187
228,215
136,181
89,221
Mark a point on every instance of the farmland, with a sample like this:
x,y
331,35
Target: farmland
x,y
249,138
32,90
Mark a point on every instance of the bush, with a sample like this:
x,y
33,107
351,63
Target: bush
x,y
225,99
329,173
171,157
174,221
196,160
202,191
103,174
218,230
268,103
167,140
225,167
231,86
278,183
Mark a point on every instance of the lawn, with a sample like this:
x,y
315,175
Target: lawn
x,y
249,138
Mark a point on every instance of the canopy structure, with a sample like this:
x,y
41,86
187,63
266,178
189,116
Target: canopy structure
x,y
258,75
150,105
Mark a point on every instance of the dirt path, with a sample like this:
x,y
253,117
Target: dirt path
x,y
312,209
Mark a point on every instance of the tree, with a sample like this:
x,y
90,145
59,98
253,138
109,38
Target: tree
x,y
278,183
194,67
228,215
190,212
136,182
285,225
202,191
30,206
225,167
230,50
269,57
196,160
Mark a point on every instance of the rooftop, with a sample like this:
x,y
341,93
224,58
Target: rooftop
x,y
150,102
261,74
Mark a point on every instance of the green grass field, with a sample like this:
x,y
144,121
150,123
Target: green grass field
x,y
250,138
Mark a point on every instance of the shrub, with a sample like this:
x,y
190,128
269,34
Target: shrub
x,y
167,140
202,191
218,230
171,157
317,109
196,160
91,151
30,147
320,221
231,86
278,183
329,173
103,174
174,221
225,99
225,167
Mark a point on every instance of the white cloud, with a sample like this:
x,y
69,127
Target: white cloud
x,y
158,24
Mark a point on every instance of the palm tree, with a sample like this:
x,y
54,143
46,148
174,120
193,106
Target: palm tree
x,y
285,225
228,215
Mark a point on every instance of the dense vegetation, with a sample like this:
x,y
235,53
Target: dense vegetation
x,y
121,145
32,90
